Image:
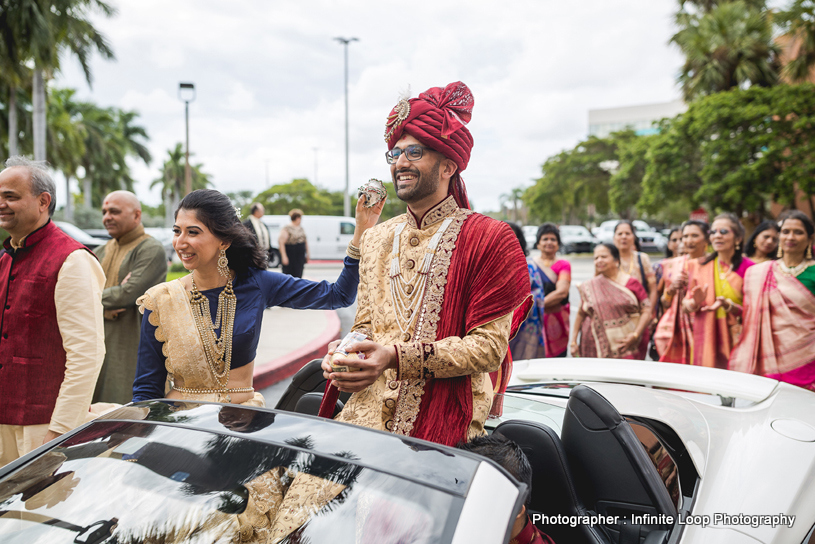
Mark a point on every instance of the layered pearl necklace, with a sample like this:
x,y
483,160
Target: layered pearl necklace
x,y
796,270
407,295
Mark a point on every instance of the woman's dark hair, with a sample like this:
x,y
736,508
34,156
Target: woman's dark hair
x,y
668,252
520,234
615,253
738,232
750,244
633,231
809,226
547,228
295,214
215,211
701,225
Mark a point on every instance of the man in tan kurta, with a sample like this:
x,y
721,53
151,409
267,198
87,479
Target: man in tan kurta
x,y
441,291
133,261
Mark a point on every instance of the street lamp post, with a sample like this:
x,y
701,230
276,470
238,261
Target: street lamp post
x,y
346,201
186,93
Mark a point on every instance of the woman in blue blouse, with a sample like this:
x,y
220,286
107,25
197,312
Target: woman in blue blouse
x,y
200,332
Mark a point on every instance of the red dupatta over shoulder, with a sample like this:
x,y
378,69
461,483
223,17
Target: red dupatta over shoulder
x,y
487,279
779,327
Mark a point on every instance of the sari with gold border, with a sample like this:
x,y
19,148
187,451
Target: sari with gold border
x,y
779,325
715,333
612,313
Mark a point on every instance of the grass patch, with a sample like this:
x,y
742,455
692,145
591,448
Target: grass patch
x,y
175,275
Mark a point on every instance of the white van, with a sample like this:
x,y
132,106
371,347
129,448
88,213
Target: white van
x,y
328,235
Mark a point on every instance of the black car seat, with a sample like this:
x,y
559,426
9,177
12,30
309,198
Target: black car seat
x,y
308,379
553,491
612,471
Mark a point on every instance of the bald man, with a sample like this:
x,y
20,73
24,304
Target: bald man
x,y
133,262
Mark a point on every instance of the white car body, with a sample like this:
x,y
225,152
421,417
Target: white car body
x,y
650,239
751,439
328,235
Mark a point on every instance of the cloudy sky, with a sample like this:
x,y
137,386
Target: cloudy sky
x,y
269,80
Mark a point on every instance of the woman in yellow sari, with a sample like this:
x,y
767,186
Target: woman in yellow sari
x,y
779,310
714,296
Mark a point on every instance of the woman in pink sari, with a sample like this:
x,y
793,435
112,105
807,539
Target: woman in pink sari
x,y
614,311
545,333
674,332
779,310
715,293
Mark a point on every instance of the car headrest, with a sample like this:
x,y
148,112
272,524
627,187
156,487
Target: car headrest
x,y
553,491
310,404
611,468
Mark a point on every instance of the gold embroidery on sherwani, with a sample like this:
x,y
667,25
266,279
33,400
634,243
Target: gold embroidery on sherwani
x,y
411,389
480,352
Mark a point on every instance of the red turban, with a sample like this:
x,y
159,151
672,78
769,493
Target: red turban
x,y
437,120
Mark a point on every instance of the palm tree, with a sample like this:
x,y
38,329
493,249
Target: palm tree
x,y
729,45
172,181
40,31
798,21
66,139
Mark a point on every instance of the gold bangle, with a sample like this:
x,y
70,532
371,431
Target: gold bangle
x,y
353,251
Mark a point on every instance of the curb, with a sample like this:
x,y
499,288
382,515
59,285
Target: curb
x,y
286,366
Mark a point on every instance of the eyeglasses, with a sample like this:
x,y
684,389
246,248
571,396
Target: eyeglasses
x,y
723,232
412,153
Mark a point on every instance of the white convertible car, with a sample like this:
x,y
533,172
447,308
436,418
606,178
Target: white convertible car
x,y
642,452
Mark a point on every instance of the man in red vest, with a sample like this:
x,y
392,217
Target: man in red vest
x,y
52,341
441,292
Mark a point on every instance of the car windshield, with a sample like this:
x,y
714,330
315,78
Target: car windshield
x,y
129,482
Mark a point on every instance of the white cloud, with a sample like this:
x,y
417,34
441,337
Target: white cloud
x,y
269,79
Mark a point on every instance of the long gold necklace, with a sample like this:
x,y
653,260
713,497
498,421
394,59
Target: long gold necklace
x,y
217,350
630,263
407,295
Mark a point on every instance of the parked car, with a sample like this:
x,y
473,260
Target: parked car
x,y
165,236
576,239
651,241
531,236
160,472
99,233
328,235
92,242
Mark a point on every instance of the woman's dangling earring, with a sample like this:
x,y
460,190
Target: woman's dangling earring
x,y
780,251
738,246
223,264
809,252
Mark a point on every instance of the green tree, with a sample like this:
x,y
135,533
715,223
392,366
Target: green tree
x,y
171,181
298,193
798,22
67,140
40,31
572,181
726,45
736,151
625,185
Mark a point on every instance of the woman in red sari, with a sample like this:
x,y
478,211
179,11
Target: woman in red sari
x,y
545,333
614,311
674,333
715,292
779,310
